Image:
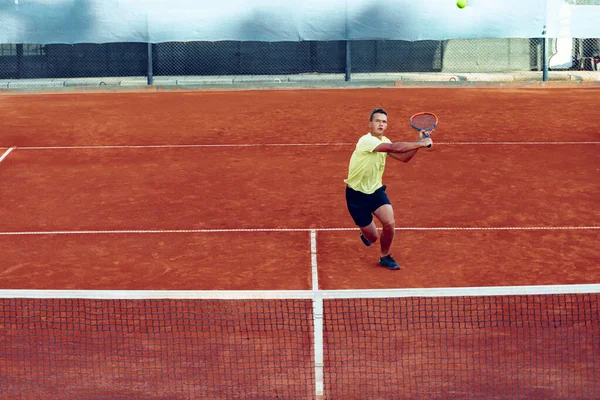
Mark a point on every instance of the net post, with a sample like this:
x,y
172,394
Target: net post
x,y
318,342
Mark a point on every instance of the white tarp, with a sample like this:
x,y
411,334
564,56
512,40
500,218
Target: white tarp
x,y
102,21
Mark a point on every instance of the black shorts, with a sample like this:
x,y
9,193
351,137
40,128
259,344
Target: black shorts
x,y
362,206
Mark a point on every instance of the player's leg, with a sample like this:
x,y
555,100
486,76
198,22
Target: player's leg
x,y
359,207
369,232
385,214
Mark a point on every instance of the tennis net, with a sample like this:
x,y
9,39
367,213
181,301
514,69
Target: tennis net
x,y
459,343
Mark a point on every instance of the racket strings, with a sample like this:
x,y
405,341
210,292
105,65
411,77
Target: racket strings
x,y
424,121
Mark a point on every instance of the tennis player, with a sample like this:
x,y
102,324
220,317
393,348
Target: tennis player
x,y
365,192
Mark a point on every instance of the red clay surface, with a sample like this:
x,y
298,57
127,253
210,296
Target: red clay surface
x,y
174,261
455,185
466,258
293,116
227,188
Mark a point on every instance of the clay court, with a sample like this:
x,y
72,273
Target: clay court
x,y
243,190
508,195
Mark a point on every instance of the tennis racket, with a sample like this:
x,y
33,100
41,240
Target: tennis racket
x,y
424,121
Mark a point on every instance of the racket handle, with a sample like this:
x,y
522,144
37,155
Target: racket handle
x,y
425,135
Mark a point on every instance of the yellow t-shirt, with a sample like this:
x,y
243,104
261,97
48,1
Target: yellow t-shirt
x,y
365,171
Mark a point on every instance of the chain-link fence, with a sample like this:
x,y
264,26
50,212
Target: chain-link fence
x,y
225,61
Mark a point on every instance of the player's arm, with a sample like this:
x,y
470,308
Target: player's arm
x,y
403,151
404,157
402,147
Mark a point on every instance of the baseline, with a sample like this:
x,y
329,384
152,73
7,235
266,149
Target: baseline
x,y
176,146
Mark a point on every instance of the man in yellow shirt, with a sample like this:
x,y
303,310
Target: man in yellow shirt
x,y
365,192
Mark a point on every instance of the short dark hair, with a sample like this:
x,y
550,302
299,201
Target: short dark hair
x,y
377,111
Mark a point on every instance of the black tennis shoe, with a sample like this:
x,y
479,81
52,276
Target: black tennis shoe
x,y
365,240
389,262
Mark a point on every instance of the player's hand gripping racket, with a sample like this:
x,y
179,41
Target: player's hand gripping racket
x,y
424,122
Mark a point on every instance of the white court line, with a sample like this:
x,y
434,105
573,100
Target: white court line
x,y
163,231
299,294
182,146
318,316
514,143
179,146
313,259
6,153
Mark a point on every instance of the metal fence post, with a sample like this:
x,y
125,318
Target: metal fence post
x,y
19,48
150,74
348,62
544,56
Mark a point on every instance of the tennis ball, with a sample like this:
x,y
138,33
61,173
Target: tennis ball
x,y
461,3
